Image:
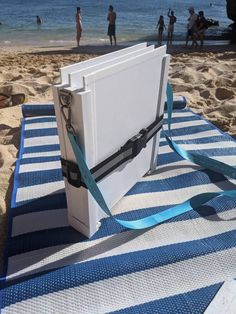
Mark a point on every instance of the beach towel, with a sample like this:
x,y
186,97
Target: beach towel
x,y
176,267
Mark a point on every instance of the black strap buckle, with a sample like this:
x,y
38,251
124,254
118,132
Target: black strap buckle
x,y
137,142
71,171
129,151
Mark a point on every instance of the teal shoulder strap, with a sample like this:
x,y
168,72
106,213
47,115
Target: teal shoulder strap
x,y
169,213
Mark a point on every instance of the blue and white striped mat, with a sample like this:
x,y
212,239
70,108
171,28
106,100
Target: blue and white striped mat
x,y
176,267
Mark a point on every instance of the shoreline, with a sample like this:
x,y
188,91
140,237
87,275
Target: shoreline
x,y
99,49
152,39
205,77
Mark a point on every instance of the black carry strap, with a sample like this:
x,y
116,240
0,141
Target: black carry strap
x,y
127,152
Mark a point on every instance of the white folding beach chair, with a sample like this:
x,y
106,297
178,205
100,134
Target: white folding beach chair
x,y
114,103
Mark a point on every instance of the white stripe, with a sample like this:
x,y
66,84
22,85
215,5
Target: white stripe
x,y
41,166
36,191
226,159
225,299
182,167
42,154
182,122
171,170
230,160
41,125
170,197
196,135
43,104
126,242
187,124
37,117
37,221
194,147
180,114
135,288
41,140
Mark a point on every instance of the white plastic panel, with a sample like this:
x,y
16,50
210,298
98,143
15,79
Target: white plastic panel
x,y
76,78
88,63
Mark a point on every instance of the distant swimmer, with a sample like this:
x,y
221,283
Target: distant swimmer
x,y
111,18
172,21
38,20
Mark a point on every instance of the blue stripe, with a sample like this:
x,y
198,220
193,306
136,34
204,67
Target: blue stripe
x,y
29,110
37,110
182,119
42,239
191,130
194,302
109,267
39,177
52,201
167,158
40,120
40,133
32,160
43,148
195,178
204,140
177,132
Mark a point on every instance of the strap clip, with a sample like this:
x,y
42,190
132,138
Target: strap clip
x,y
71,171
137,142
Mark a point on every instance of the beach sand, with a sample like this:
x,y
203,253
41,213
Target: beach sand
x,y
207,79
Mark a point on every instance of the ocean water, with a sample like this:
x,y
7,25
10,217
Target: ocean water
x,y
136,20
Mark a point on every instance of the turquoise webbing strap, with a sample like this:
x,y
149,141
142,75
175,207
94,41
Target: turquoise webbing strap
x,y
169,213
200,160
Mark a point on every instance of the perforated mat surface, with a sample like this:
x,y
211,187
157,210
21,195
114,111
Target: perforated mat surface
x,y
176,267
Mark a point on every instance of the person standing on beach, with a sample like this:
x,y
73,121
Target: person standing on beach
x,y
202,27
38,20
111,18
192,27
78,26
172,21
160,26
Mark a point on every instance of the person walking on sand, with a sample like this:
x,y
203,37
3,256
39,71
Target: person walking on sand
x,y
192,27
78,26
160,26
172,21
111,18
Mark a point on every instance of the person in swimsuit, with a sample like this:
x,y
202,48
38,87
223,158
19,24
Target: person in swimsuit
x,y
78,26
172,21
160,26
111,18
